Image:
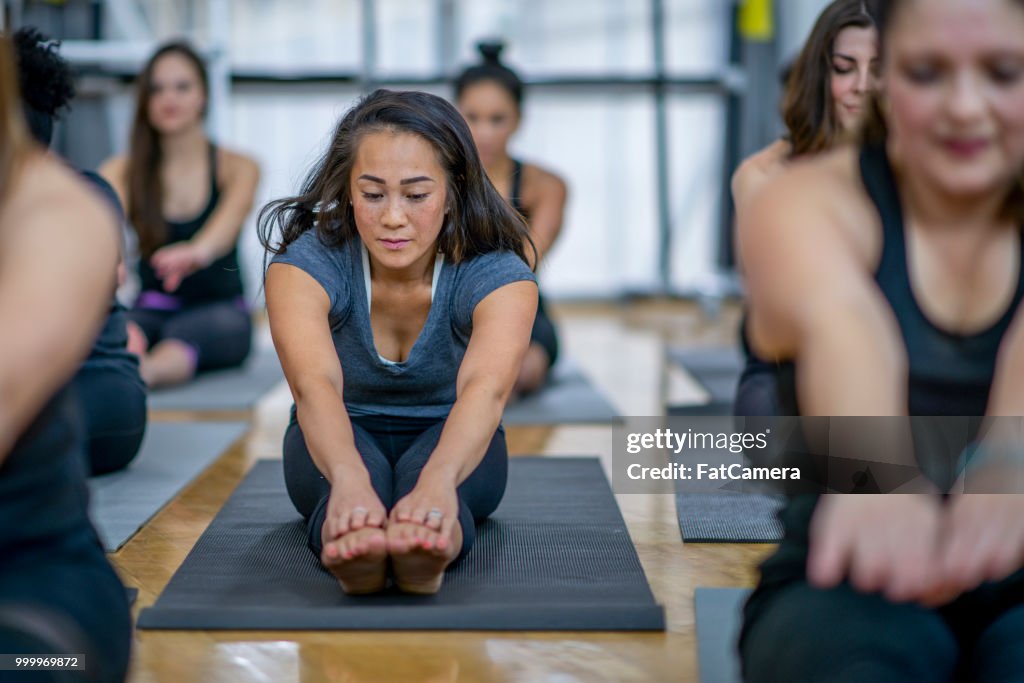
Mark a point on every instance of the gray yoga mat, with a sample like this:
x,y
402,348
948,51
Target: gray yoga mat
x,y
729,517
172,455
568,397
556,555
718,617
709,360
712,409
717,370
237,389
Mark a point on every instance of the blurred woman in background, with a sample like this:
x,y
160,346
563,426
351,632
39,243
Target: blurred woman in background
x,y
490,97
187,199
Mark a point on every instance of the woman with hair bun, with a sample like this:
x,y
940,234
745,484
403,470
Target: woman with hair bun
x,y
490,97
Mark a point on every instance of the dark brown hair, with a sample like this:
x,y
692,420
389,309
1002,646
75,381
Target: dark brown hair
x,y
491,69
876,132
479,219
145,191
807,106
14,140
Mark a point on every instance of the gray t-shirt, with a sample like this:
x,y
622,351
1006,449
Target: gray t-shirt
x,y
424,384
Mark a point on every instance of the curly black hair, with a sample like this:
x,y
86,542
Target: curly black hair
x,y
44,78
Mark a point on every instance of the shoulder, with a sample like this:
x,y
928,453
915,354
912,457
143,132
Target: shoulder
x,y
820,201
330,266
480,275
539,181
758,168
234,165
50,196
495,264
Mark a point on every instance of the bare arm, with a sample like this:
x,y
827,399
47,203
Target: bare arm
x,y
56,279
756,170
220,233
547,211
501,335
812,298
298,308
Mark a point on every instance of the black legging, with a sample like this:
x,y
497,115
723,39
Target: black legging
x,y
220,332
114,412
796,633
544,333
394,451
57,589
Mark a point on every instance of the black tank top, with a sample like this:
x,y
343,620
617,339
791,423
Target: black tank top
x,y
515,197
110,350
221,279
950,374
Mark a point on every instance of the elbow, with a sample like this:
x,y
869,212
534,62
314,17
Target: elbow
x,y
312,389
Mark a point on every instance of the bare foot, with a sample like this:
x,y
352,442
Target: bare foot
x,y
137,342
419,557
358,560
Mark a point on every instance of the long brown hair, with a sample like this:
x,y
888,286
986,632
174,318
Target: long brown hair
x,y
875,131
14,140
807,106
480,220
145,190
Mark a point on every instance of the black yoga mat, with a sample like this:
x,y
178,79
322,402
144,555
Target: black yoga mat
x,y
729,517
718,629
556,555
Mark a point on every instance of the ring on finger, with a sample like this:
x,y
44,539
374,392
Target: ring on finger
x,y
435,513
359,509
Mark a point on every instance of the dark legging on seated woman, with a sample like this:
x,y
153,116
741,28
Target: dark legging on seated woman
x,y
394,452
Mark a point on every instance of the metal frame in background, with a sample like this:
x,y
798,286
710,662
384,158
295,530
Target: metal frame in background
x,y
121,58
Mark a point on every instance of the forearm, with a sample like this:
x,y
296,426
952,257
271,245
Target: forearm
x,y
467,433
327,429
217,238
849,364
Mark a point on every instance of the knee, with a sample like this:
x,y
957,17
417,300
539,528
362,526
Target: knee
x,y
804,634
305,483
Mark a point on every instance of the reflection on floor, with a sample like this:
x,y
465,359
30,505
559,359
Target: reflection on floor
x,y
622,348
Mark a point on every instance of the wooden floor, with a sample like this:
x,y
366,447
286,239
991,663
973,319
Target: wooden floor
x,y
623,351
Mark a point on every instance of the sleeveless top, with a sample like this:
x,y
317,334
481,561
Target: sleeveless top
x,y
515,194
423,385
218,281
110,351
950,373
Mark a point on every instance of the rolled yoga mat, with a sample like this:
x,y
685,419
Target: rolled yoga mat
x,y
172,455
719,616
556,555
568,397
236,389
